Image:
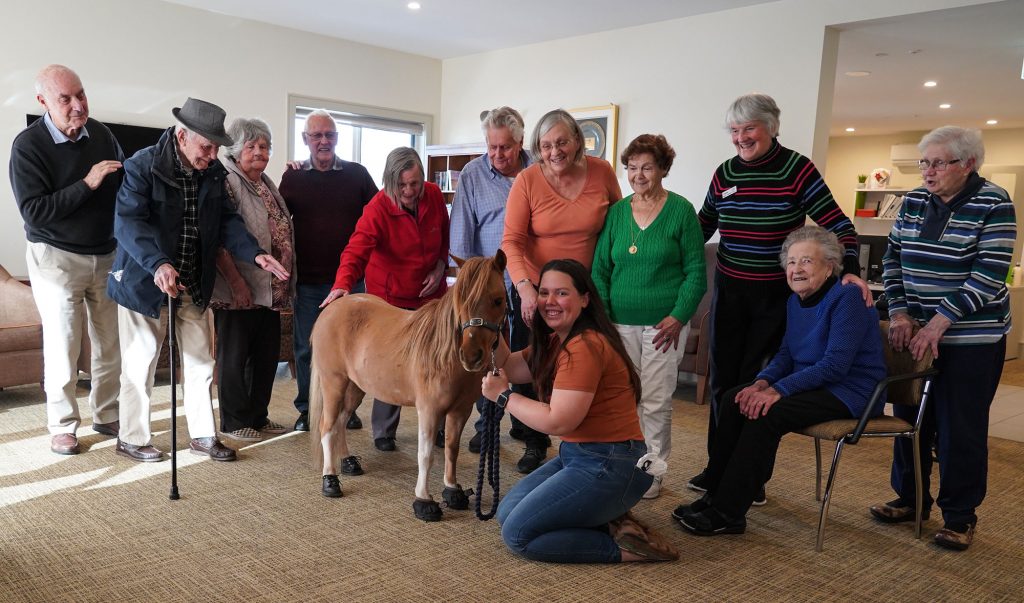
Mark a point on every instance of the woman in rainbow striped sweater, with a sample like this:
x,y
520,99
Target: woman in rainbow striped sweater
x,y
949,252
755,200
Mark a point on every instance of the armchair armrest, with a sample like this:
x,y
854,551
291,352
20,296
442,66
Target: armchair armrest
x,y
876,395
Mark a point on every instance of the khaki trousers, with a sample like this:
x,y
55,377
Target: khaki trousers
x,y
141,339
70,293
658,372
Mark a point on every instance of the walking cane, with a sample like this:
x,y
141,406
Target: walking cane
x,y
173,353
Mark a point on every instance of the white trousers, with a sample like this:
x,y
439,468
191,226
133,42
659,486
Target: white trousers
x,y
658,372
141,338
70,290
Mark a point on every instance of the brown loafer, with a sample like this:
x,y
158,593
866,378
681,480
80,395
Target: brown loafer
x,y
143,454
110,429
64,443
895,512
212,448
957,541
633,536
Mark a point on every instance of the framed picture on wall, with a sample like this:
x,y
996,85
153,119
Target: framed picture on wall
x,y
600,128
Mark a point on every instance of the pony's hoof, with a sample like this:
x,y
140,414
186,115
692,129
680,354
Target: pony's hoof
x,y
350,466
331,487
427,510
456,498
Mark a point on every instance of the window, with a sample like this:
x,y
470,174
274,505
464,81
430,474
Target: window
x,y
365,134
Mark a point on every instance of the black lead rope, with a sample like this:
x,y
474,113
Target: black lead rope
x,y
489,459
490,444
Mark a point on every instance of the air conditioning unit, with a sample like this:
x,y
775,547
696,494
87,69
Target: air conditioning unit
x,y
904,158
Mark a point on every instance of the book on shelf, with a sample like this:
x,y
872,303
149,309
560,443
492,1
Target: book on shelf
x,y
890,206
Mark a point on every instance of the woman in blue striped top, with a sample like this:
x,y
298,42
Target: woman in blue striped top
x,y
949,252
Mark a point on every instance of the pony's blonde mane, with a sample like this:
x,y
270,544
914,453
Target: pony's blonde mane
x,y
433,346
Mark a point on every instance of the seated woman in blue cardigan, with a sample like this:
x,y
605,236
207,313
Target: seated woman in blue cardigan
x,y
826,368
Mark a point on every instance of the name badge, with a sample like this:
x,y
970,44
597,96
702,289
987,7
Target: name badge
x,y
729,192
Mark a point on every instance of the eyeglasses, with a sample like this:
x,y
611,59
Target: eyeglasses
x,y
939,165
318,136
561,144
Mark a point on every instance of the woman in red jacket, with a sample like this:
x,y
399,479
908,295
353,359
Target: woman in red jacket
x,y
400,246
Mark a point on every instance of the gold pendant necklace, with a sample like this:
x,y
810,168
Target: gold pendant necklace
x,y
633,249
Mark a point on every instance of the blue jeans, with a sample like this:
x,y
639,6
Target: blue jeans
x,y
307,308
560,512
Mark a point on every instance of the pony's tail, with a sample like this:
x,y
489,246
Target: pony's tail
x,y
316,405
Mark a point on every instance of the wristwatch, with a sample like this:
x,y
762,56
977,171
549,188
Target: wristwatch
x,y
502,399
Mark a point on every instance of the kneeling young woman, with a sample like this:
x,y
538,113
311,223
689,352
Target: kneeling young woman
x,y
574,508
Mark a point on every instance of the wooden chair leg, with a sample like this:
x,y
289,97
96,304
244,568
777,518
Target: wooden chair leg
x,y
828,496
702,388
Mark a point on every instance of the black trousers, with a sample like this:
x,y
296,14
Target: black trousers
x,y
519,339
248,346
744,453
748,319
956,421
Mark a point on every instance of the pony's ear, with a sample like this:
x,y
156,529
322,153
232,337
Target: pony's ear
x,y
500,260
458,261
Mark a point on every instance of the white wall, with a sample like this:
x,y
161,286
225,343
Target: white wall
x,y
140,58
675,77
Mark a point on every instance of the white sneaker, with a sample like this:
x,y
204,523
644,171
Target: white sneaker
x,y
655,490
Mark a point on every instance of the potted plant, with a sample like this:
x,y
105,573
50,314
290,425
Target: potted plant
x,y
861,196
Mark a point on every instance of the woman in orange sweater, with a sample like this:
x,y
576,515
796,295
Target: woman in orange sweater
x,y
556,209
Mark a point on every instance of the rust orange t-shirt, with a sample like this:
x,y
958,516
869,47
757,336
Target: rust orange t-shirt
x,y
541,225
590,364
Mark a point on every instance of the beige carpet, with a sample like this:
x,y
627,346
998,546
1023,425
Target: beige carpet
x,y
98,527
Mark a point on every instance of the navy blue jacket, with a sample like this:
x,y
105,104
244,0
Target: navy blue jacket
x,y
148,221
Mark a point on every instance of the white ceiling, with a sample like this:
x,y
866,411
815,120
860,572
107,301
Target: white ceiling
x,y
974,53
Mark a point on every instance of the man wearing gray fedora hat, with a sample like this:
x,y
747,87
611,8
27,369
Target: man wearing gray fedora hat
x,y
172,215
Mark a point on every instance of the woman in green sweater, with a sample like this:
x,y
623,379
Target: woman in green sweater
x,y
649,271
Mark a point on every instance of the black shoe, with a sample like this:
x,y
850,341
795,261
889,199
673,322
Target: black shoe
x,y
474,444
350,466
331,487
895,511
532,459
385,444
710,522
696,506
760,499
302,423
439,439
699,482
354,422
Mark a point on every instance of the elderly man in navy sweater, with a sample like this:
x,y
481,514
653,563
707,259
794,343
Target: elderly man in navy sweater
x,y
65,171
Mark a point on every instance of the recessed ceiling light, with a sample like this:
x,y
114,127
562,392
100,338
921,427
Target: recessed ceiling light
x,y
858,73
992,122
945,106
930,84
413,5
851,129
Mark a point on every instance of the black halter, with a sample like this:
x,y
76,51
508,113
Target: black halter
x,y
490,326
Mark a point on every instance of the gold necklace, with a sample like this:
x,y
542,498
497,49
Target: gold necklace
x,y
633,249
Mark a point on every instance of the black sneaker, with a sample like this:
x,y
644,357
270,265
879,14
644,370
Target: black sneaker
x,y
699,482
695,507
302,423
385,444
474,444
760,499
354,422
532,459
350,466
710,522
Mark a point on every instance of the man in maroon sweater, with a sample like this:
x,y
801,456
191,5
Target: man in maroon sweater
x,y
326,196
